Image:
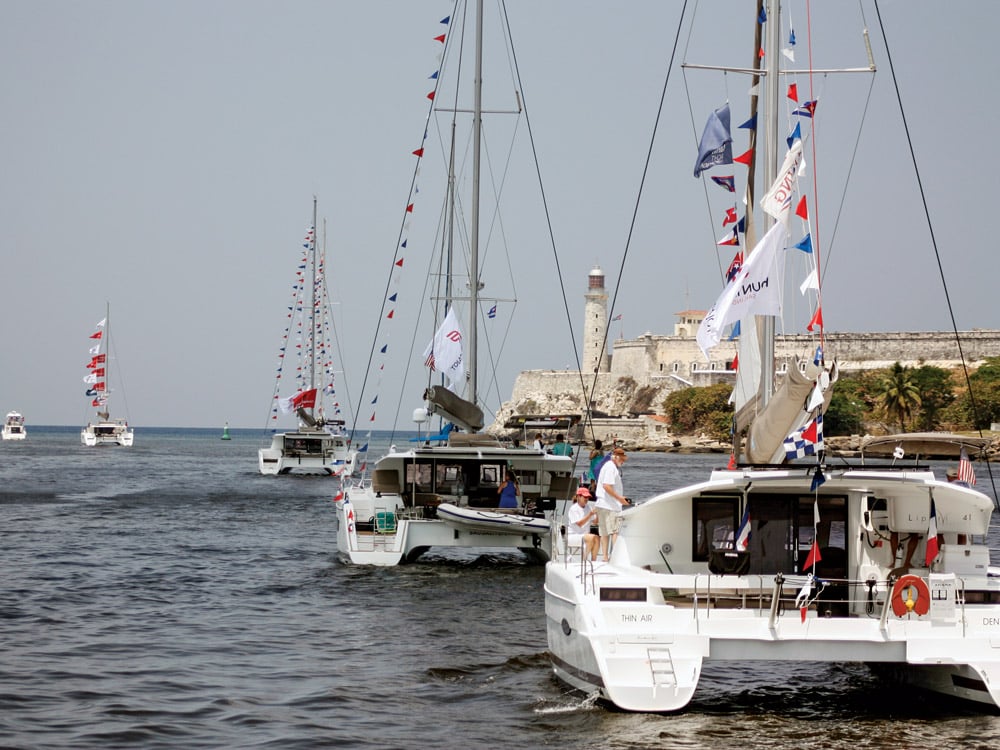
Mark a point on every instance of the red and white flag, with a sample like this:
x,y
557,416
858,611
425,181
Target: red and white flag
x,y
444,353
303,400
932,537
965,471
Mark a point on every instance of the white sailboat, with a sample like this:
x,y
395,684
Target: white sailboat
x,y
13,426
318,445
105,430
443,491
795,562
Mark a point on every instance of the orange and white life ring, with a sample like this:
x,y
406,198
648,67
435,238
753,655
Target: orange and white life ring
x,y
910,594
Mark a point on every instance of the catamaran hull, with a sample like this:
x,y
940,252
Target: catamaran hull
x,y
92,436
649,657
306,453
410,538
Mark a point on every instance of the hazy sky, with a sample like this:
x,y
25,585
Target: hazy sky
x,y
163,156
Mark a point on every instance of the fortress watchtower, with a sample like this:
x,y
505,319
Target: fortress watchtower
x,y
595,325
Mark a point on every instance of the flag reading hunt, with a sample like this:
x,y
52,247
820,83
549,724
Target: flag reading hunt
x,y
716,145
444,353
754,291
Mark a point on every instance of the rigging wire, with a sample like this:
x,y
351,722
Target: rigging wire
x,y
635,213
930,229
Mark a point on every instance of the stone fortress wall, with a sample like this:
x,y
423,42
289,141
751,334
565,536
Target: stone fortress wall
x,y
630,384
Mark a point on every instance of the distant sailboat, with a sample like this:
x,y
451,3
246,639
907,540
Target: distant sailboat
x,y
225,431
105,431
318,445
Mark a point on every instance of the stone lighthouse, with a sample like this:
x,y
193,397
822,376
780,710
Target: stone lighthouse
x,y
595,324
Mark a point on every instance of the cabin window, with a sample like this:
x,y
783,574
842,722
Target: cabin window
x,y
418,476
448,479
714,525
782,533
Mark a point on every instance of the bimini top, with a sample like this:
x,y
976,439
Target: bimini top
x,y
917,445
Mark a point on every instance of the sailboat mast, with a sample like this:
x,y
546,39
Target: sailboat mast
x,y
772,85
104,397
477,126
313,318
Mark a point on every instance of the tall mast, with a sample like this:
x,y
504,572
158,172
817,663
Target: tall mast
x,y
772,56
477,126
313,318
105,395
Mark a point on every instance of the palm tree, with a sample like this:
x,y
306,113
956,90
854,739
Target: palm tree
x,y
899,395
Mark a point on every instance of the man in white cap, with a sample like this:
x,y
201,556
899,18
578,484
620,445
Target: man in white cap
x,y
610,499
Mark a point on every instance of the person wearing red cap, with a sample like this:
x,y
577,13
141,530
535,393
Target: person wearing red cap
x,y
578,520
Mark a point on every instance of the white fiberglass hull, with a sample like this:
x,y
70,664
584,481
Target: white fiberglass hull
x,y
15,434
649,657
445,496
313,452
639,629
389,536
107,433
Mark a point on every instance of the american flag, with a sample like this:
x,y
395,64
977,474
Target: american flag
x,y
965,471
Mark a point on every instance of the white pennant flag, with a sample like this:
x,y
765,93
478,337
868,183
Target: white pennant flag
x,y
811,282
444,353
756,290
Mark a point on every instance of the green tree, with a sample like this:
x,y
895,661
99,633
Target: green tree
x,y
898,395
984,408
846,413
703,409
934,384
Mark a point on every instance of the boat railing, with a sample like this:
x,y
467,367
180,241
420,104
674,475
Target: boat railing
x,y
563,551
777,593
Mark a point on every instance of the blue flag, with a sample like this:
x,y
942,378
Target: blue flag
x,y
796,135
805,244
728,182
716,145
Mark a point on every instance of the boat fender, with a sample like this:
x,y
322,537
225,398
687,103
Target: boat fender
x,y
910,594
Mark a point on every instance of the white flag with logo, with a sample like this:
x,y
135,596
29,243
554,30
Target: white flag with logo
x,y
755,290
778,200
444,353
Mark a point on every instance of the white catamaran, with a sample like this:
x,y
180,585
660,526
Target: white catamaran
x,y
318,445
884,562
443,492
105,430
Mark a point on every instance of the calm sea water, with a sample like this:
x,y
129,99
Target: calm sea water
x,y
169,596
